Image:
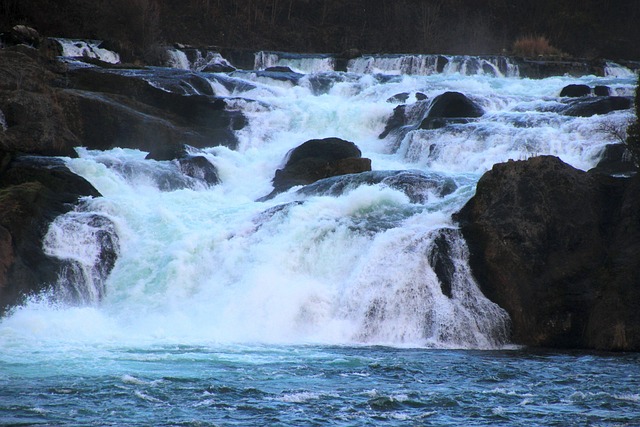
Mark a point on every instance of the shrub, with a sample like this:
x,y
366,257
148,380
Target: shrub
x,y
534,46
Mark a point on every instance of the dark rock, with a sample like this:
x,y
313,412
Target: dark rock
x,y
440,260
200,168
601,105
317,159
417,185
616,160
398,97
33,192
279,69
397,120
120,110
22,34
450,105
421,96
602,91
557,249
575,91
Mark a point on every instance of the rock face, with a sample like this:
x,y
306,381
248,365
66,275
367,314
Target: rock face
x,y
49,109
557,248
588,107
317,159
33,192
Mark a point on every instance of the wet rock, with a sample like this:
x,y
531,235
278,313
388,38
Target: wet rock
x,y
616,160
440,260
575,91
33,192
317,159
450,105
599,105
417,185
557,248
198,167
602,91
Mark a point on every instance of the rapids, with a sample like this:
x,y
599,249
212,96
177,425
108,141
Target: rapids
x,y
209,275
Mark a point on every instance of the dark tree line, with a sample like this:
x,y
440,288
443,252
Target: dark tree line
x,y
586,28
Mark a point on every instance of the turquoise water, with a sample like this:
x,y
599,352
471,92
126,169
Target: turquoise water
x,y
319,385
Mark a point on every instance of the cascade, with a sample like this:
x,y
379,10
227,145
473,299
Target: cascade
x,y
297,62
366,259
433,64
612,69
73,48
197,60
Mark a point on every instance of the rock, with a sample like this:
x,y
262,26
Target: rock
x,y
398,97
575,91
602,91
120,110
35,121
279,69
22,34
49,110
601,105
440,260
557,248
33,192
616,160
397,120
450,105
317,159
200,168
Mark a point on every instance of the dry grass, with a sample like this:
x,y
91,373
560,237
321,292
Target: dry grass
x,y
534,46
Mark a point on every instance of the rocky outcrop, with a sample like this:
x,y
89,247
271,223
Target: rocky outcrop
x,y
557,248
49,109
317,159
450,107
33,192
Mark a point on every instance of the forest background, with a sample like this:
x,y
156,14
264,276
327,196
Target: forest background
x,y
136,28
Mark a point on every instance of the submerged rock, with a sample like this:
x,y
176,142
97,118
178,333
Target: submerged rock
x,y
557,248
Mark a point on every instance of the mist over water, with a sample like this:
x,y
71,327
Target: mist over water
x,y
216,293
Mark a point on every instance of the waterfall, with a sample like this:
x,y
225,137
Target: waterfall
x,y
197,60
73,48
612,69
297,62
433,64
363,259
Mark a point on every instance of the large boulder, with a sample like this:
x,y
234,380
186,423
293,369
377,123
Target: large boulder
x,y
33,192
557,248
588,107
317,159
575,91
450,107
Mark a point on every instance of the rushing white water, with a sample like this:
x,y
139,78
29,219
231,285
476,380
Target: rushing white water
x,y
433,64
198,62
72,48
297,62
199,264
